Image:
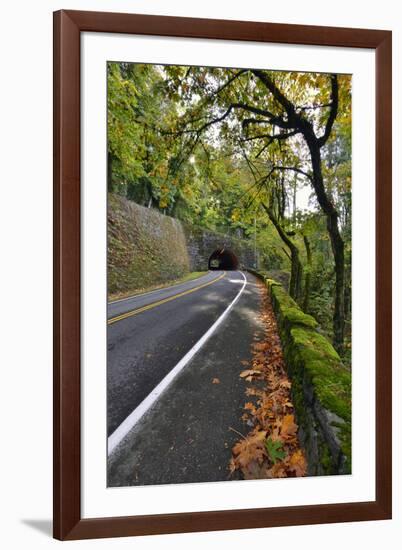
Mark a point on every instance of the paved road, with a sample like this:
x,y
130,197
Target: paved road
x,y
120,307
147,336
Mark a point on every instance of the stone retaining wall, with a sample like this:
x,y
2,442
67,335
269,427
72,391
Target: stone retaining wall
x,y
321,386
144,247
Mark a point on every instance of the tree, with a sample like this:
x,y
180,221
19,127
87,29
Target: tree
x,y
125,148
141,161
259,93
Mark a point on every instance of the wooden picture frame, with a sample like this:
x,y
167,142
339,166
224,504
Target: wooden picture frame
x,y
68,25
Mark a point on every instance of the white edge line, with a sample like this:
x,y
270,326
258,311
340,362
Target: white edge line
x,y
120,433
156,290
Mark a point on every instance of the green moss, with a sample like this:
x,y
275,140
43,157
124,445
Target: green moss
x,y
315,344
270,283
323,369
294,315
280,295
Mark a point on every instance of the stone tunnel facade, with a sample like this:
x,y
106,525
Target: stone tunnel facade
x,y
201,244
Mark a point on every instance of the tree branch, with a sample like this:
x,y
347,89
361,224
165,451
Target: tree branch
x,y
286,252
226,84
275,121
273,137
263,149
278,227
313,107
275,91
250,164
244,106
333,112
292,168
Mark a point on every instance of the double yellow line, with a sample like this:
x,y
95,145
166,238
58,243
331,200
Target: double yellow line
x,y
160,302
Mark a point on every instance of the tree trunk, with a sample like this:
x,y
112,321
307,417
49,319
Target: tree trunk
x,y
296,270
294,198
337,244
307,282
339,310
347,295
296,275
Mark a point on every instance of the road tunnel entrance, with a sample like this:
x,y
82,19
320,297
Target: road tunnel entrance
x,y
223,258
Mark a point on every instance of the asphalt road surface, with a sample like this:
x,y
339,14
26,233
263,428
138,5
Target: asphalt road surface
x,y
187,433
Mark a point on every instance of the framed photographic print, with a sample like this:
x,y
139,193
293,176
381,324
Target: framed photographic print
x,y
222,327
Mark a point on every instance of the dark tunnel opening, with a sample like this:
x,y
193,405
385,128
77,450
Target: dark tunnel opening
x,y
222,258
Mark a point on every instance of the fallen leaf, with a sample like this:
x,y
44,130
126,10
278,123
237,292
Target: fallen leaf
x,y
250,448
249,372
288,426
216,381
260,346
275,450
250,407
297,463
253,391
271,449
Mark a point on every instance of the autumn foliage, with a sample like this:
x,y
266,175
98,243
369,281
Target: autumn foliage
x,y
271,449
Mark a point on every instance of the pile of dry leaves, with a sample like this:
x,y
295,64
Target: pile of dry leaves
x,y
271,449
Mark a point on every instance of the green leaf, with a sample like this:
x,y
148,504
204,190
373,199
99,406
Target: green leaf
x,y
274,450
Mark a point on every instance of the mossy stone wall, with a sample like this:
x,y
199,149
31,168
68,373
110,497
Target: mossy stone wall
x,y
321,386
144,247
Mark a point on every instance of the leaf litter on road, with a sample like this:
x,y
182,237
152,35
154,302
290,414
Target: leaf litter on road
x,y
271,449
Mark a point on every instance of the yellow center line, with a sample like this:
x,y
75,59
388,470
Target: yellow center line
x,y
160,302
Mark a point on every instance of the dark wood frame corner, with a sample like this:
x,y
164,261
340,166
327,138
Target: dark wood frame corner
x,y
68,26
